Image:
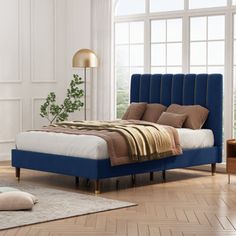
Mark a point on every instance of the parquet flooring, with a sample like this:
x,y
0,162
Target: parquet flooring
x,y
189,203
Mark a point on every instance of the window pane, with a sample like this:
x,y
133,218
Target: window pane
x,y
158,31
121,33
135,70
234,2
174,70
198,28
174,54
136,55
216,27
174,30
158,70
206,3
166,5
216,53
136,32
216,69
122,102
128,7
198,69
158,55
122,55
122,75
198,53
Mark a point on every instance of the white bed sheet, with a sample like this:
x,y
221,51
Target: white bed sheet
x,y
94,147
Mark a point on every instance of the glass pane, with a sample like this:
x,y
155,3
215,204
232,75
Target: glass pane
x,y
158,54
122,78
121,33
122,55
128,7
174,54
205,4
216,27
137,32
198,28
198,53
158,70
166,5
174,30
174,70
234,2
136,55
158,31
216,53
136,70
216,69
122,102
198,69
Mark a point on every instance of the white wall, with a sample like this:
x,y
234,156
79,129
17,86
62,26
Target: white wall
x,y
37,41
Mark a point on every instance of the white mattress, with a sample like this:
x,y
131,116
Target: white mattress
x,y
94,147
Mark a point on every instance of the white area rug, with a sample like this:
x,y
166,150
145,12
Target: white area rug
x,y
55,204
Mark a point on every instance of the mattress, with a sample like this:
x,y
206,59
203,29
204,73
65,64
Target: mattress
x,y
93,147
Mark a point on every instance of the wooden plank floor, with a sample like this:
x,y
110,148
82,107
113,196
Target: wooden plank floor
x,y
189,203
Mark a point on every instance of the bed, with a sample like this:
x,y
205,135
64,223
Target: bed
x,y
185,89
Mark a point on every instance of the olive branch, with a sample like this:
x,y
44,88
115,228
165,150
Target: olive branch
x,y
54,112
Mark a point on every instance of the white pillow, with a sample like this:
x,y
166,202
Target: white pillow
x,y
13,199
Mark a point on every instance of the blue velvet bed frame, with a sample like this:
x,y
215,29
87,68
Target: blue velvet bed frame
x,y
203,89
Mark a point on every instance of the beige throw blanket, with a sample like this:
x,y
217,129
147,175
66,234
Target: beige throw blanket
x,y
128,141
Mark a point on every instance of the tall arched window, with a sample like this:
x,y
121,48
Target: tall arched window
x,y
176,36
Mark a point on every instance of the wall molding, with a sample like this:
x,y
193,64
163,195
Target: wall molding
x,y
19,72
33,100
32,43
20,117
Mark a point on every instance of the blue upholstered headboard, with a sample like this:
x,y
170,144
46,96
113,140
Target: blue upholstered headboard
x,y
184,89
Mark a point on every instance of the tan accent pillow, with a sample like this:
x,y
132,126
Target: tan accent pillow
x,y
153,112
135,111
16,200
172,119
196,115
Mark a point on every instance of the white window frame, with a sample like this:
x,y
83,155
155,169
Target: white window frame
x,y
185,14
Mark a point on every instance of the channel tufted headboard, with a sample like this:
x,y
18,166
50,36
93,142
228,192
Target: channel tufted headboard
x,y
184,89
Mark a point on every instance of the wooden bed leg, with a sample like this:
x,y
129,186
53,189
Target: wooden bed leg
x,y
164,176
228,178
213,169
18,173
77,180
151,176
97,186
133,177
117,184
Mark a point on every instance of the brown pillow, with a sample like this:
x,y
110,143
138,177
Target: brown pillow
x,y
196,115
172,119
153,112
135,111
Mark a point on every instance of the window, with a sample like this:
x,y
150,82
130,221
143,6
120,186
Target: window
x,y
166,46
129,58
128,7
207,44
193,4
175,36
166,5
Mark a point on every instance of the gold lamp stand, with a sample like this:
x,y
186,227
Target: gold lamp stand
x,y
85,58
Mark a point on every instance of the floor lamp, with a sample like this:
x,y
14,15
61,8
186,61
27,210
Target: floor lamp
x,y
85,58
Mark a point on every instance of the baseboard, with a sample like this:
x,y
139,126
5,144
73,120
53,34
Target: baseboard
x,y
5,157
220,167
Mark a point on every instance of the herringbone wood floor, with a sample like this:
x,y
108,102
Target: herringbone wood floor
x,y
189,203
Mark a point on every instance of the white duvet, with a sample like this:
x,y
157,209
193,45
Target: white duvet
x,y
94,147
